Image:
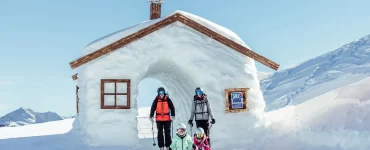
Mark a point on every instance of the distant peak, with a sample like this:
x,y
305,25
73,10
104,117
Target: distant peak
x,y
365,38
23,108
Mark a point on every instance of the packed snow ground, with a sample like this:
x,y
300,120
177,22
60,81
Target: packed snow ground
x,y
337,120
144,124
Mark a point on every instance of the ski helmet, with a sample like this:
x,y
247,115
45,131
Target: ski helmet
x,y
198,91
181,130
199,132
161,90
181,126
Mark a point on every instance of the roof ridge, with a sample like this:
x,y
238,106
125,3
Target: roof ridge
x,y
169,20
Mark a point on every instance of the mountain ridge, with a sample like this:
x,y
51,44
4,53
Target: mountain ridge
x,y
24,116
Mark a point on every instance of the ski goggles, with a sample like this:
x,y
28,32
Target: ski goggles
x,y
161,92
199,135
199,92
181,130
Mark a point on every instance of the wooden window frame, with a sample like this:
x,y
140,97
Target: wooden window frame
x,y
228,107
127,81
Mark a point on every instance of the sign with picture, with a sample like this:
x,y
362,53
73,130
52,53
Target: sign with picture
x,y
236,100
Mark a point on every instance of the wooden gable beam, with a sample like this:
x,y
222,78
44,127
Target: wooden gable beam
x,y
122,42
74,77
187,21
222,39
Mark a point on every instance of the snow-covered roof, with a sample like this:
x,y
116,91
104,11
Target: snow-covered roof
x,y
120,38
101,42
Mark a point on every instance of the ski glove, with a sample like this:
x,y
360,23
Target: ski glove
x,y
151,119
195,147
172,118
213,121
190,123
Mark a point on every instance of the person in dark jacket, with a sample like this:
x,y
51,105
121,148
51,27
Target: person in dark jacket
x,y
202,111
162,106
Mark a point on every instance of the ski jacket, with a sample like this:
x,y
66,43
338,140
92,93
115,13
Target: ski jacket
x,y
181,143
203,143
162,108
201,108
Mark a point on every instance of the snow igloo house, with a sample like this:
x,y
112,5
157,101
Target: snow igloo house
x,y
183,51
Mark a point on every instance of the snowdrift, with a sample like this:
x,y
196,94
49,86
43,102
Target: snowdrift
x,y
338,119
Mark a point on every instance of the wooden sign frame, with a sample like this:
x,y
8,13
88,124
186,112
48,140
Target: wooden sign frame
x,y
228,102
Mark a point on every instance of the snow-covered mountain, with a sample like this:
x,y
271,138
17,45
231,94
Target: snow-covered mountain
x,y
68,117
263,75
25,116
319,75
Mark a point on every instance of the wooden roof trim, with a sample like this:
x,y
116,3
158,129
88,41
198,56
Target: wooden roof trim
x,y
74,77
185,20
222,39
122,42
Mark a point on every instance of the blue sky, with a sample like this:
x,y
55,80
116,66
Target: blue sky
x,y
39,38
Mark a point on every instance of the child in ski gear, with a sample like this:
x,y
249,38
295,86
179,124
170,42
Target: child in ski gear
x,y
181,141
200,140
202,111
162,105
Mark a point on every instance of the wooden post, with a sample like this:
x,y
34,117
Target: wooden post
x,y
77,99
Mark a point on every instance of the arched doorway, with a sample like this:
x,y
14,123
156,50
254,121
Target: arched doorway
x,y
179,85
147,91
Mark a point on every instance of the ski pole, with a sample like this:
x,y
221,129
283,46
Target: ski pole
x,y
172,128
153,134
191,130
209,128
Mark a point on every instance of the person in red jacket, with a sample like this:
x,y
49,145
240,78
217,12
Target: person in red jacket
x,y
162,106
200,140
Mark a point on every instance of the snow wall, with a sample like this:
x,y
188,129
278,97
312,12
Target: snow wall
x,y
182,59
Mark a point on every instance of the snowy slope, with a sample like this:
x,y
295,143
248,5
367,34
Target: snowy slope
x,y
336,120
40,129
263,75
319,75
25,116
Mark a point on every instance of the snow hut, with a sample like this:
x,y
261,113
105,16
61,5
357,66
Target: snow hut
x,y
181,50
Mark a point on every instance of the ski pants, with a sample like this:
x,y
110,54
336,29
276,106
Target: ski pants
x,y
166,126
203,124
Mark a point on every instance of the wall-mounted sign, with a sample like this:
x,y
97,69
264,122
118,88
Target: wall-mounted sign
x,y
236,100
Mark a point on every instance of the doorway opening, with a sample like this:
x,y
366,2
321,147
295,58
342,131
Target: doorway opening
x,y
147,92
179,85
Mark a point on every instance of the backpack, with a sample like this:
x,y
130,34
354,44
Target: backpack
x,y
163,112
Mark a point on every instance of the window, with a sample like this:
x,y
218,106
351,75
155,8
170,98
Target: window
x,y
115,94
236,100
